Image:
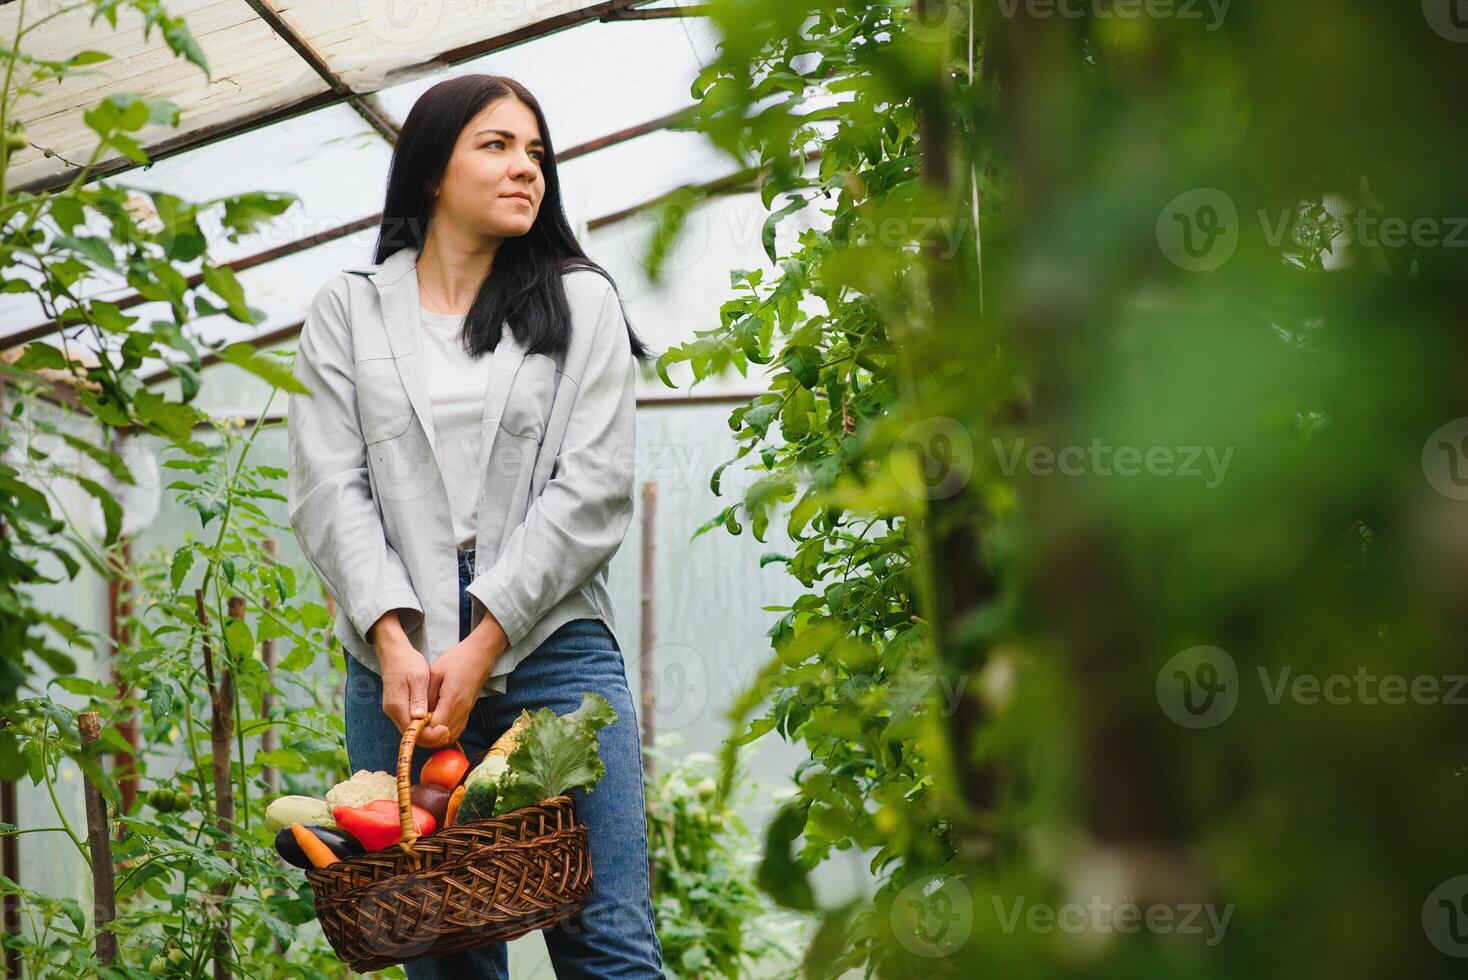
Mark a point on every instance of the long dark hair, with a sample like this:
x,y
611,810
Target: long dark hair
x,y
524,285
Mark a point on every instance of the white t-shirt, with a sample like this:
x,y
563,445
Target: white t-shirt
x,y
457,384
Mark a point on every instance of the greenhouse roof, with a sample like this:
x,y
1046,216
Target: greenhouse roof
x,y
307,98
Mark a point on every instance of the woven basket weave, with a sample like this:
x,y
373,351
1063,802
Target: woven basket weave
x,y
461,888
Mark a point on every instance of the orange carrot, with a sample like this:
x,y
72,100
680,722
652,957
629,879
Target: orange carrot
x,y
313,847
453,810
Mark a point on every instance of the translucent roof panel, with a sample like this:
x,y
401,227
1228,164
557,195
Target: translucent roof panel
x,y
593,78
368,42
254,71
597,79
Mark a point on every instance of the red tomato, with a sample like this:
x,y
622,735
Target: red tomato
x,y
445,768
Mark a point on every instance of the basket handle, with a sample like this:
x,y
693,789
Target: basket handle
x,y
405,791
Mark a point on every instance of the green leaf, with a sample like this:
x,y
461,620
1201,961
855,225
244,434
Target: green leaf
x,y
796,413
171,419
178,570
82,686
38,355
106,458
12,760
831,940
245,213
670,217
780,874
718,474
111,509
267,366
238,639
221,279
804,362
286,760
283,931
556,754
215,869
767,233
160,698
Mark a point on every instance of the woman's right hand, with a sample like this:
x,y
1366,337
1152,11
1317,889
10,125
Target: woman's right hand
x,y
404,672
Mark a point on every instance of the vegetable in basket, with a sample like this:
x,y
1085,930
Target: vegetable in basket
x,y
363,787
541,756
455,802
443,771
286,810
297,852
434,799
376,824
445,768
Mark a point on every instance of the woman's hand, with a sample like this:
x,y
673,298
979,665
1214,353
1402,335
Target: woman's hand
x,y
455,680
405,678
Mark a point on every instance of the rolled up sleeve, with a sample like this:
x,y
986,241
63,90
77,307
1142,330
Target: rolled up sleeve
x,y
578,521
333,514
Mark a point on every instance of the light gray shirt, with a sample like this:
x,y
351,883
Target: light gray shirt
x,y
366,489
457,386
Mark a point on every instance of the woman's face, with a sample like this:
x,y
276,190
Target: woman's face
x,y
493,184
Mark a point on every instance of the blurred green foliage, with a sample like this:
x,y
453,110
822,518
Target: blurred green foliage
x,y
1162,468
713,921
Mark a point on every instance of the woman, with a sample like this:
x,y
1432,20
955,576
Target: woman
x,y
472,411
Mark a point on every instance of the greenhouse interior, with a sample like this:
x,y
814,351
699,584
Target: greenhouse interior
x,y
1016,537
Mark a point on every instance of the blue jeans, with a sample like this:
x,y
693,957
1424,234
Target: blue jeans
x,y
614,934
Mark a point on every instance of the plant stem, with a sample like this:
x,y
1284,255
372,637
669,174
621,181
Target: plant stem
x,y
51,790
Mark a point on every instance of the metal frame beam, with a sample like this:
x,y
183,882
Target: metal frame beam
x,y
338,92
364,105
739,182
352,227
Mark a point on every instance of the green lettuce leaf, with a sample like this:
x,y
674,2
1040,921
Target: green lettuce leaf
x,y
556,754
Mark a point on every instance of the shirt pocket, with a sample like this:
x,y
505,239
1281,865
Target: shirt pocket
x,y
532,392
382,401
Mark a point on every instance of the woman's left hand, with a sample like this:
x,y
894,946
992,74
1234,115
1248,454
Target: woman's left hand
x,y
455,680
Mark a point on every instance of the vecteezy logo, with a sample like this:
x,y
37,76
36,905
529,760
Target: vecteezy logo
x,y
679,252
1449,18
932,916
1199,688
400,21
1199,230
1445,459
1445,917
681,682
934,458
935,20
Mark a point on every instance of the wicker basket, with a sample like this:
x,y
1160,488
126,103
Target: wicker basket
x,y
461,888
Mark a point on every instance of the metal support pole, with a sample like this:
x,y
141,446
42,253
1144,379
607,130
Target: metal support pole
x,y
648,638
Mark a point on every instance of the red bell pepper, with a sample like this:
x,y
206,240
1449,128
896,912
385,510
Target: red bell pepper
x,y
445,768
376,825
